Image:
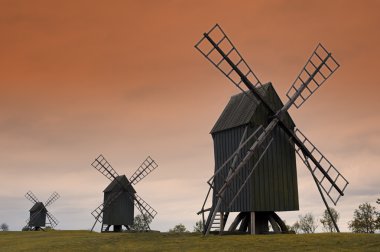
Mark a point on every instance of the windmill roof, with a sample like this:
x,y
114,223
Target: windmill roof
x,y
37,206
241,109
118,182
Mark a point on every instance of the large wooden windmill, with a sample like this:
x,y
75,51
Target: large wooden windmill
x,y
120,198
255,142
38,213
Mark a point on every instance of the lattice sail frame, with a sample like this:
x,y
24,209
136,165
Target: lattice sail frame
x,y
52,220
31,197
102,165
144,169
226,48
145,206
318,68
326,185
52,199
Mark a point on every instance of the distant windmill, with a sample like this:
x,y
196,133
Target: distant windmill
x,y
38,212
255,141
120,197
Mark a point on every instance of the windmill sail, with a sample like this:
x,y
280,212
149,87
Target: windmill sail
x,y
53,221
338,179
30,196
52,199
102,165
146,208
144,169
219,50
318,68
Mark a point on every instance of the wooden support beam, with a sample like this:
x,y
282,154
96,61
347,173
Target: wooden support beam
x,y
253,223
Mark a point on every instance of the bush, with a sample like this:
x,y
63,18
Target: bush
x,y
180,228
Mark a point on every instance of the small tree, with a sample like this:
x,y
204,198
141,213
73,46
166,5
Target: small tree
x,y
327,222
180,228
295,227
198,228
365,219
307,223
139,224
4,227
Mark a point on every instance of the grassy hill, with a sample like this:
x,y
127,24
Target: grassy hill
x,y
87,241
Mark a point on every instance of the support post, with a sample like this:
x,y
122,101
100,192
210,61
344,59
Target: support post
x,y
221,222
253,223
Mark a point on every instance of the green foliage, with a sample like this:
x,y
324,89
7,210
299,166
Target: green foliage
x,y
306,223
180,228
327,222
4,227
141,222
365,220
168,242
198,228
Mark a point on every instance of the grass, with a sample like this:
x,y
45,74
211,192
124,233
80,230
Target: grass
x,y
87,241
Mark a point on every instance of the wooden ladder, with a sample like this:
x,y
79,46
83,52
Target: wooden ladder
x,y
215,225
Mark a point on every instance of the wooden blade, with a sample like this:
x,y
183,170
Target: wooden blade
x,y
97,213
328,177
52,199
318,68
102,165
30,196
145,207
221,52
53,221
144,169
229,61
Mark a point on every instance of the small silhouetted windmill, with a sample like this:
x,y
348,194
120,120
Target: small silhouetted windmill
x,y
237,172
38,212
120,197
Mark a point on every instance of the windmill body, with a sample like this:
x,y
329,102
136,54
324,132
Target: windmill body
x,y
38,211
273,185
121,210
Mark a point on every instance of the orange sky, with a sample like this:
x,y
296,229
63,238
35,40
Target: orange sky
x,y
122,78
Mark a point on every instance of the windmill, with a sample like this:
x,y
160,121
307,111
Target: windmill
x,y
39,212
239,176
120,197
